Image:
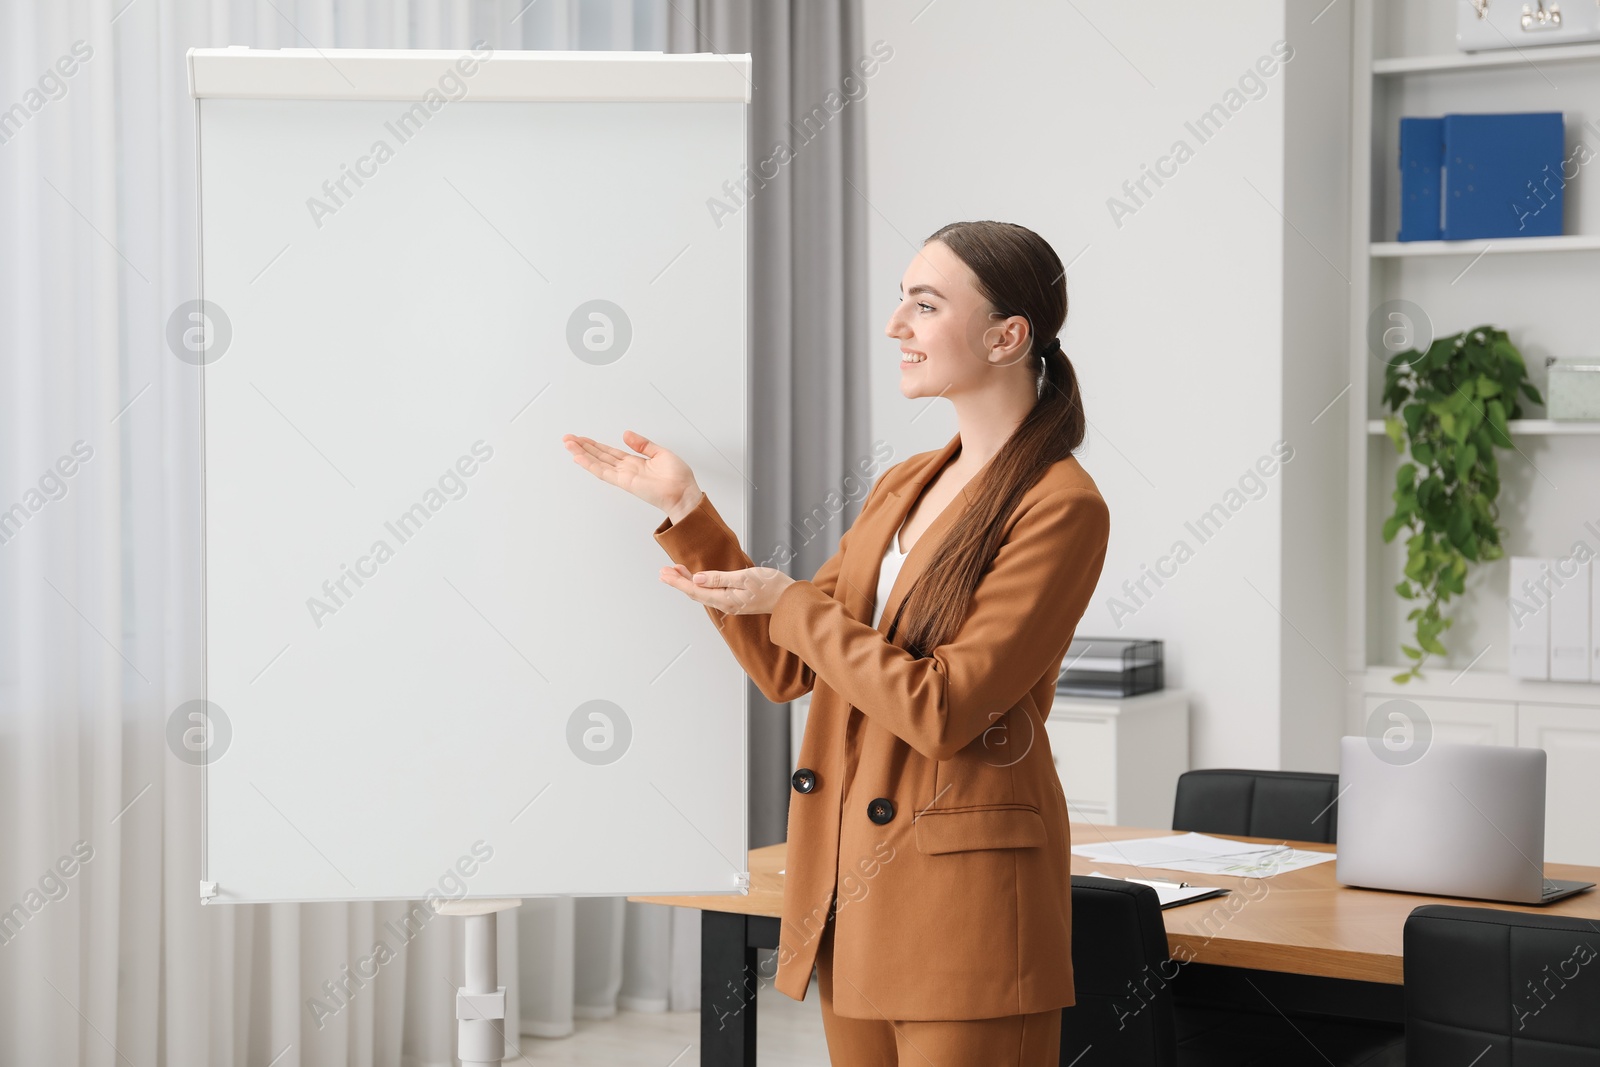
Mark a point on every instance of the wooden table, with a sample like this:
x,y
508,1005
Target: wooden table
x,y
1303,923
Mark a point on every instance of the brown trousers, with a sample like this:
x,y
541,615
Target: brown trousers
x,y
1010,1041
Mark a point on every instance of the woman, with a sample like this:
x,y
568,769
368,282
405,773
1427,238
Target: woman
x,y
928,876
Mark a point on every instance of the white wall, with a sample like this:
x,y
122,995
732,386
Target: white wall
x,y
1037,114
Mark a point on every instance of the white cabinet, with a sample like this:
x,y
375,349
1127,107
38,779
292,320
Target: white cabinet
x,y
1562,719
1119,759
1570,737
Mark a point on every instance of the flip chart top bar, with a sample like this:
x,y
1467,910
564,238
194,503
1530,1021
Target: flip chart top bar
x,y
485,74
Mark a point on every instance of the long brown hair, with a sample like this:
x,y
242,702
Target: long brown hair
x,y
1019,274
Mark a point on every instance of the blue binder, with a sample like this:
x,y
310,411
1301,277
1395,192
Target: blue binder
x,y
1421,157
1502,175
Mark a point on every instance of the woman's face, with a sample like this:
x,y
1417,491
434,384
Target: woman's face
x,y
951,341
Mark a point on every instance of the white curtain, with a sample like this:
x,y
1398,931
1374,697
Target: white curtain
x,y
105,955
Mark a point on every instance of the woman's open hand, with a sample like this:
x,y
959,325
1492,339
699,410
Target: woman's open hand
x,y
752,591
655,476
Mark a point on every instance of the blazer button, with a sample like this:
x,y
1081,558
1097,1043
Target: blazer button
x,y
804,780
880,810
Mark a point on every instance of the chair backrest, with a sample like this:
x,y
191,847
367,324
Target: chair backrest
x,y
1483,984
1121,973
1287,805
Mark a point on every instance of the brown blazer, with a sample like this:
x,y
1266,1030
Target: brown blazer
x,y
927,806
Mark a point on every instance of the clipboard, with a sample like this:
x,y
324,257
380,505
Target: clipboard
x,y
1171,894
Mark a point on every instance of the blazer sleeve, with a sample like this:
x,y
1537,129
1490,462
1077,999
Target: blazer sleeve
x,y
1022,617
704,542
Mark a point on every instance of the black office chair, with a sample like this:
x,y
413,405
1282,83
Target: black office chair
x,y
1125,1013
1120,971
1496,988
1286,805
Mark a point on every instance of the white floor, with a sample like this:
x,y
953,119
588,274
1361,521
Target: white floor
x,y
788,1034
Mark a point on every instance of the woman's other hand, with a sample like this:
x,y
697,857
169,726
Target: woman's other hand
x,y
751,591
655,476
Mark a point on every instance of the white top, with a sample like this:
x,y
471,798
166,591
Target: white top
x,y
893,557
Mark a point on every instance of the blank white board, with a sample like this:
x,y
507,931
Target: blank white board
x,y
438,657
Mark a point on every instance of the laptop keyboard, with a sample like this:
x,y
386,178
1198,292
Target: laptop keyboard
x,y
1557,888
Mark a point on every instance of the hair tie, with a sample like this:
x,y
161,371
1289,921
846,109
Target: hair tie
x,y
1050,346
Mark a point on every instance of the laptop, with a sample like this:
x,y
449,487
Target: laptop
x,y
1458,821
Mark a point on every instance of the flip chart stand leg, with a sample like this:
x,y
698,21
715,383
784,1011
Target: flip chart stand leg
x,y
481,1002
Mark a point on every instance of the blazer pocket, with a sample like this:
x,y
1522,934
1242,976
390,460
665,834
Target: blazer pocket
x,y
1001,826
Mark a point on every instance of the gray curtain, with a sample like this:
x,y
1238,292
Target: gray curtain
x,y
808,305
98,626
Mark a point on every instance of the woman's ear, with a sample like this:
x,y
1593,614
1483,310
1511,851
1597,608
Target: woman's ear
x,y
1006,343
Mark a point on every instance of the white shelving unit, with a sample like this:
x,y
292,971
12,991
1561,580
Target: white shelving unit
x,y
1550,477
1578,242
1467,61
1523,427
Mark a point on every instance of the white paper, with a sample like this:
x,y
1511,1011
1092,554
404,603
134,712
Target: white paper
x,y
1203,854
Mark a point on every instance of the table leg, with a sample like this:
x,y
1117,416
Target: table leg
x,y
729,979
728,983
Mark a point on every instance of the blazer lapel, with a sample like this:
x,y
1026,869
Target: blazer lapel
x,y
873,532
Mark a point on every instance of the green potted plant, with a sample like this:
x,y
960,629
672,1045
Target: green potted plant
x,y
1453,402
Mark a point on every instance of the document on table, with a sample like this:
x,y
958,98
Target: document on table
x,y
1171,894
1203,854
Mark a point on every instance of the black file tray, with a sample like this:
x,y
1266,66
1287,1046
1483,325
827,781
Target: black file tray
x,y
1111,667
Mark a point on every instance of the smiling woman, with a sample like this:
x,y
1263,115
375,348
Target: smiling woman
x,y
980,342
914,691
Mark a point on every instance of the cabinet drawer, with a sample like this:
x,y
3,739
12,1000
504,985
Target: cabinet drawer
x,y
1086,759
1570,737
